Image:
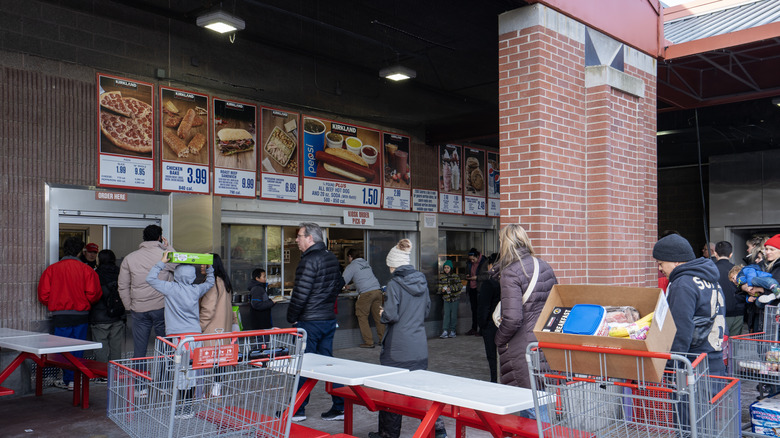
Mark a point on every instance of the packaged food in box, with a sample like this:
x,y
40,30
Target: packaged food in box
x,y
645,300
191,258
765,416
586,319
557,318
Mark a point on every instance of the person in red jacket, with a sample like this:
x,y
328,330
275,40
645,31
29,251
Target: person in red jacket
x,y
69,288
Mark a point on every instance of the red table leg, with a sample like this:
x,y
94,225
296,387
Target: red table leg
x,y
426,426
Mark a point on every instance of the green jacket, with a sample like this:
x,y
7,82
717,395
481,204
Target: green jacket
x,y
449,286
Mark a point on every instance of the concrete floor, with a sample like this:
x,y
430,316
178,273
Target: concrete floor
x,y
53,415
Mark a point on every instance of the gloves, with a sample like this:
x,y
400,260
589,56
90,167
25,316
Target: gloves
x,y
235,328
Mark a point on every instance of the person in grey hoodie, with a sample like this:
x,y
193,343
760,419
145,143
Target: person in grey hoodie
x,y
182,305
369,298
405,344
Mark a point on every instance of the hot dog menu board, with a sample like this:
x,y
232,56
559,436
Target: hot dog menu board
x,y
125,133
397,173
341,163
234,140
493,190
474,181
450,181
184,141
279,154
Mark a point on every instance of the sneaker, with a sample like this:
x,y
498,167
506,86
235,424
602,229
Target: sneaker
x,y
766,299
142,393
471,332
333,414
374,435
183,412
453,335
70,386
444,335
216,389
60,384
299,416
100,381
441,434
366,345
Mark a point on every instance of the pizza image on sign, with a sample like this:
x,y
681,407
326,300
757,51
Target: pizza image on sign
x,y
126,122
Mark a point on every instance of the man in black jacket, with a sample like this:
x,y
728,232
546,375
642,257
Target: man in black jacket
x,y
735,303
318,282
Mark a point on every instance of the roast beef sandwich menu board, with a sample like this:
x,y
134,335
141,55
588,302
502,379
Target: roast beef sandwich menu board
x,y
234,139
125,121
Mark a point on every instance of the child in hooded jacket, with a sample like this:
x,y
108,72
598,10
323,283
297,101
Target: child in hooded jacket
x,y
182,315
450,287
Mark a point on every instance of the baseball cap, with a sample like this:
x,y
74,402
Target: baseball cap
x,y
92,247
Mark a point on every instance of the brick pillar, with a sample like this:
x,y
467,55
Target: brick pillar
x,y
578,156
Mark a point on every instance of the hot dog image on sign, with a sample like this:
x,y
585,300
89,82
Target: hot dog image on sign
x,y
338,151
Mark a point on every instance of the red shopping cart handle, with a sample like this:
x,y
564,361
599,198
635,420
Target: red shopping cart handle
x,y
606,350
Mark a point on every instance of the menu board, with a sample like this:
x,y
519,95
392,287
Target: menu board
x,y
425,200
474,181
235,136
184,144
450,181
341,164
397,174
279,155
125,121
493,189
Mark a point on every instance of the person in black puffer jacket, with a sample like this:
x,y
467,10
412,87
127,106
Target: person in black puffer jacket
x,y
318,282
109,330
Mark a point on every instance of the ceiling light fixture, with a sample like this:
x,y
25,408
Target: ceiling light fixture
x,y
220,21
397,73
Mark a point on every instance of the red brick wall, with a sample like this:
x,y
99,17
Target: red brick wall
x,y
578,165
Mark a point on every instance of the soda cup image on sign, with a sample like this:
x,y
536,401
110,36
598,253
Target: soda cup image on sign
x,y
313,142
191,258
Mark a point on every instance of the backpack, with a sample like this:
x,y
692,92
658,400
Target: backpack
x,y
114,306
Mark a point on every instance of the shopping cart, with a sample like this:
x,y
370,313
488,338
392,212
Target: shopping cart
x,y
688,402
233,384
755,358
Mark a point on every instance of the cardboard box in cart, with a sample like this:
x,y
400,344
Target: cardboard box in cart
x,y
645,300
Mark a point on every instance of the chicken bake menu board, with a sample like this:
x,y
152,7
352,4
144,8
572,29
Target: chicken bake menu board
x,y
184,141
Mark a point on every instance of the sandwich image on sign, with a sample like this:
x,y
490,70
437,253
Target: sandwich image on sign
x,y
232,141
344,163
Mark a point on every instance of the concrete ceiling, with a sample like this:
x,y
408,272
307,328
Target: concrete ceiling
x,y
325,55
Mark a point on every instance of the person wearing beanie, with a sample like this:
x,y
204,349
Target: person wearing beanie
x,y
405,344
450,287
695,298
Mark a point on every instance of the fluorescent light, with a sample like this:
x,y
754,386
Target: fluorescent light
x,y
397,73
221,22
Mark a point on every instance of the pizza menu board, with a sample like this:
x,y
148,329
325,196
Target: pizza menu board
x,y
450,181
184,144
474,181
235,136
341,163
279,155
397,174
126,133
493,190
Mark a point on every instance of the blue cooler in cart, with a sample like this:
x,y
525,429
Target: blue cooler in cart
x,y
586,319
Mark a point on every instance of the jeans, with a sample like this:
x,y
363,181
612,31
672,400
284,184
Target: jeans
x,y
450,319
319,339
112,336
142,328
73,332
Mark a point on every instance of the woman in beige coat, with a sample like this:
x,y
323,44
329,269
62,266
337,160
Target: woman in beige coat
x,y
216,307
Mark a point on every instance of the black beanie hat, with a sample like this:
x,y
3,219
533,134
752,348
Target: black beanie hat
x,y
673,248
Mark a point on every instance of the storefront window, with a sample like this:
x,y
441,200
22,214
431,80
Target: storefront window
x,y
454,245
380,243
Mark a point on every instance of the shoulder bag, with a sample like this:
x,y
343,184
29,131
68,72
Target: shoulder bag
x,y
497,312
